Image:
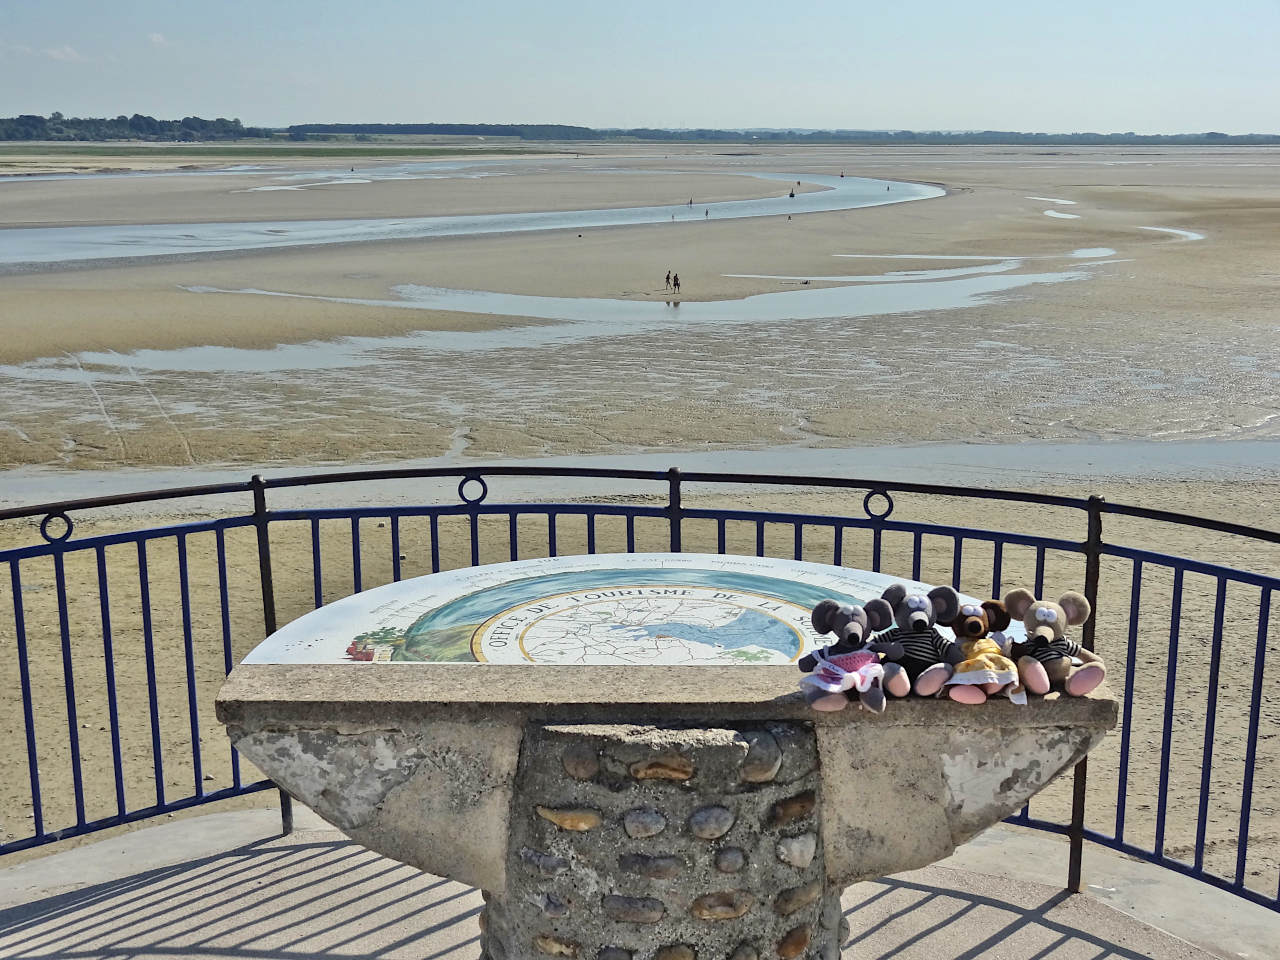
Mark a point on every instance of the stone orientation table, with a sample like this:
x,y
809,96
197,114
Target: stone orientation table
x,y
615,750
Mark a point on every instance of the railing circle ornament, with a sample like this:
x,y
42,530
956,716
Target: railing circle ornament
x,y
888,504
68,526
462,490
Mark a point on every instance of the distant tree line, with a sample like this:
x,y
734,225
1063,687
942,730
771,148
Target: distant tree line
x,y
553,131
141,127
136,127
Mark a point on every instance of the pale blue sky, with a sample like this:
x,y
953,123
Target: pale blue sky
x,y
1146,66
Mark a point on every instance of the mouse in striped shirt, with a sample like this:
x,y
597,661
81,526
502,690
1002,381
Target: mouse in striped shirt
x,y
928,657
1047,659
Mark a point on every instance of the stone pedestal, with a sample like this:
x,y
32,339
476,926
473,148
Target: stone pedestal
x,y
631,843
646,814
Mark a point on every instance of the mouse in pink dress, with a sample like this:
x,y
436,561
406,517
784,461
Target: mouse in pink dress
x,y
851,668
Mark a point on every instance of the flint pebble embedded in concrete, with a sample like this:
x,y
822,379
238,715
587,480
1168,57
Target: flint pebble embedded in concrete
x,y
577,819
663,768
731,859
794,943
793,808
728,905
581,760
712,822
655,868
633,909
643,822
763,759
798,851
796,898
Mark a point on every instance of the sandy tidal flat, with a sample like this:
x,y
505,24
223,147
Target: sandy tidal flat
x,y
1149,334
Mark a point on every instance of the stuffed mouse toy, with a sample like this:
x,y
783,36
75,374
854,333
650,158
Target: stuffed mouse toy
x,y
927,656
986,669
851,666
1045,658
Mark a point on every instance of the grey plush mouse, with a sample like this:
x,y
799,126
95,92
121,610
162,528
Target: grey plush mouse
x,y
928,657
850,669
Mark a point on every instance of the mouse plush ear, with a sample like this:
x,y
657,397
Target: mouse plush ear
x,y
946,604
878,613
1018,602
997,616
1076,607
822,614
894,595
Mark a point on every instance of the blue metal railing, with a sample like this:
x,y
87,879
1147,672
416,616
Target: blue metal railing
x,y
90,608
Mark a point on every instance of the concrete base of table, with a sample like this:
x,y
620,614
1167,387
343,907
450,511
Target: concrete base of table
x,y
698,830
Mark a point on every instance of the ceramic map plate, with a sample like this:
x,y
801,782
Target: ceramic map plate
x,y
695,609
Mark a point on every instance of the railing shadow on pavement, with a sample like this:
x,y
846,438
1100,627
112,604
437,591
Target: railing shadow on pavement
x,y
946,915
265,901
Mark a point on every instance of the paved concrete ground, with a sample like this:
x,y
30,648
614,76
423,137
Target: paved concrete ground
x,y
225,886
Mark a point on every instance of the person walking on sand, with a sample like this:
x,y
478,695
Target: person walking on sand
x,y
668,286
675,282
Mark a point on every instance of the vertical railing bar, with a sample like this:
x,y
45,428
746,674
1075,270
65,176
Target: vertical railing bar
x,y
877,544
224,606
1130,672
957,554
188,652
1092,547
1210,722
1171,677
317,575
1038,589
552,544
109,667
473,521
395,547
435,543
631,533
69,683
720,535
798,549
759,538
513,534
917,553
24,677
148,648
591,532
997,568
1251,751
357,575
267,578
837,545
674,509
